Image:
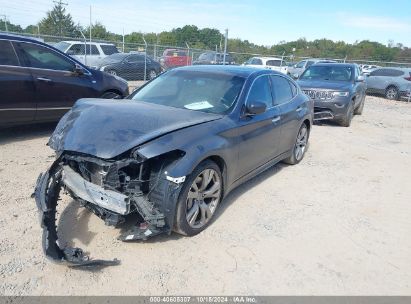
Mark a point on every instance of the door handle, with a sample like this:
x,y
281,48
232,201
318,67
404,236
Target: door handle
x,y
299,109
44,79
276,119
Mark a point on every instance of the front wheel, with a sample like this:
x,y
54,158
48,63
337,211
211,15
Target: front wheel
x,y
152,74
198,200
300,146
346,120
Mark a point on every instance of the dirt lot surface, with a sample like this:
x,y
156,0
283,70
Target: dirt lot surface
x,y
337,223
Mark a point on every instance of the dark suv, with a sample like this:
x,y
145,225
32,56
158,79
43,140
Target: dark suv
x,y
338,91
39,83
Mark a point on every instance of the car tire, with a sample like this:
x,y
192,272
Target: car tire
x,y
300,146
194,215
152,74
346,120
360,108
392,93
111,95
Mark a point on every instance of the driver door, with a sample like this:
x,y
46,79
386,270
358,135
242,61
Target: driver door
x,y
57,87
259,134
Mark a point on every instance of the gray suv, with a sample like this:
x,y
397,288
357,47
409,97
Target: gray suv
x,y
391,82
338,91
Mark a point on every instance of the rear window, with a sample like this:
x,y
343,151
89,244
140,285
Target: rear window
x,y
62,46
7,55
109,49
274,63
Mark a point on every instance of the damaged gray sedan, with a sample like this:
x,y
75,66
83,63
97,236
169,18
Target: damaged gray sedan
x,y
172,150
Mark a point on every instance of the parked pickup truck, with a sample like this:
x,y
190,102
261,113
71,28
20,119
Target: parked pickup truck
x,y
173,58
272,63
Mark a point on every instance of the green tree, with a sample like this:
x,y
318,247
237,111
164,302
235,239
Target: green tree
x,y
58,23
10,26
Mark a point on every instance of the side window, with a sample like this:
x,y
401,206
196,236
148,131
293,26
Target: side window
x,y
7,55
300,64
281,90
257,61
76,49
309,63
378,72
94,50
395,73
37,56
261,91
135,59
294,89
109,49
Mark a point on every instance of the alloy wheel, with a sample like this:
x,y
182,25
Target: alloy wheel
x,y
391,93
112,72
301,144
203,198
152,74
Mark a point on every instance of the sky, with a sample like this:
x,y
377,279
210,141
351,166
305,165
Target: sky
x,y
265,22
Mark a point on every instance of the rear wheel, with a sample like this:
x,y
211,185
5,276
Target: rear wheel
x,y
392,93
300,146
112,72
152,74
201,193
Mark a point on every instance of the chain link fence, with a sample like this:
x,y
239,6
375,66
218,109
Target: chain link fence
x,y
144,60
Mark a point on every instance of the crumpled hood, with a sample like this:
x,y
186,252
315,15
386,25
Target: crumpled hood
x,y
107,128
328,85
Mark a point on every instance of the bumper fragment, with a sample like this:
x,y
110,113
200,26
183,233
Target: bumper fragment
x,y
46,195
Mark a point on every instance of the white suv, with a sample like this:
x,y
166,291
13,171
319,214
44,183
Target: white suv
x,y
82,52
272,63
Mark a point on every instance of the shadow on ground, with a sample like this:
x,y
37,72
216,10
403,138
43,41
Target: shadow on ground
x,y
26,132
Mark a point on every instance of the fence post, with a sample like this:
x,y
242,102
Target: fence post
x,y
145,59
188,53
85,47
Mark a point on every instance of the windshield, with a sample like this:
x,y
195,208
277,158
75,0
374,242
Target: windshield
x,y
193,90
62,46
333,73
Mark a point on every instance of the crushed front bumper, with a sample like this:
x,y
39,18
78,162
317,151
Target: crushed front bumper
x,y
46,194
111,206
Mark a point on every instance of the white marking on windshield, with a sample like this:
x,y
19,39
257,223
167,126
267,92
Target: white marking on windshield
x,y
201,105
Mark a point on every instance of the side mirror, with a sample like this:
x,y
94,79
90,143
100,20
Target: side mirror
x,y
78,70
70,52
360,79
295,76
255,108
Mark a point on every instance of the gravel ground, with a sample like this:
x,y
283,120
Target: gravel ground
x,y
337,223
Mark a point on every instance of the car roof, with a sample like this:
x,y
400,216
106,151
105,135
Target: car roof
x,y
268,58
88,42
235,70
19,38
335,64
